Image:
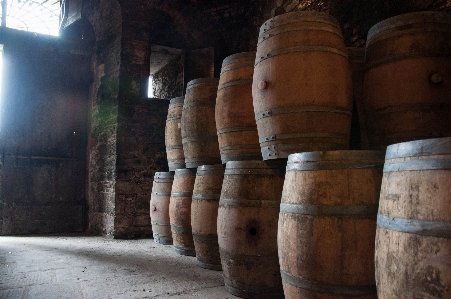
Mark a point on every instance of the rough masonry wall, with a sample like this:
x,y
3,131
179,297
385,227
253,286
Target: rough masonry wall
x,y
105,18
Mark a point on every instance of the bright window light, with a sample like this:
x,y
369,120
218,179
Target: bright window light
x,y
40,16
150,88
1,73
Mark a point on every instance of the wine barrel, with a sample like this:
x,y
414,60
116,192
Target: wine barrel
x,y
327,224
204,215
359,131
159,207
413,237
180,211
247,229
199,138
407,82
302,89
235,120
173,135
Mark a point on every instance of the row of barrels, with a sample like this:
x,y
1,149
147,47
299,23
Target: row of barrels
x,y
295,93
309,224
334,224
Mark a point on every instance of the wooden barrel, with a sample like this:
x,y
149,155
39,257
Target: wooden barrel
x,y
180,211
413,238
159,207
359,131
204,215
173,135
407,83
235,120
199,138
247,229
327,224
302,90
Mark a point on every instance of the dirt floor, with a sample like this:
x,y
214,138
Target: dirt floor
x,y
87,267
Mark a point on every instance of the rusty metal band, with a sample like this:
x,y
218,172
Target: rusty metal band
x,y
206,197
299,16
205,238
164,181
173,118
238,58
323,287
161,193
300,49
208,263
176,100
246,64
235,83
182,250
269,258
240,156
159,235
426,164
226,202
363,210
200,102
197,139
273,33
174,147
182,194
161,175
239,147
182,229
328,165
193,163
242,290
299,109
438,229
386,34
203,82
160,224
419,148
410,108
183,173
303,135
250,171
209,170
393,58
237,129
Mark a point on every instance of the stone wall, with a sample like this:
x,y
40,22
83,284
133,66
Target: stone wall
x,y
105,18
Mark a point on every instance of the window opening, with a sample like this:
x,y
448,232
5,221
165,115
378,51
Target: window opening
x,y
40,16
1,78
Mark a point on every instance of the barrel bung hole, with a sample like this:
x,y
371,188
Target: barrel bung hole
x,y
252,231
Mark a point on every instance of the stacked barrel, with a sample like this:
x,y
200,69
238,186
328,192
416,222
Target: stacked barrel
x,y
266,187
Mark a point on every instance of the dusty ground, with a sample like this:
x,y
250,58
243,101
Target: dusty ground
x,y
86,267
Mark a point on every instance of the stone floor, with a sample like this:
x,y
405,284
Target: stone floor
x,y
73,267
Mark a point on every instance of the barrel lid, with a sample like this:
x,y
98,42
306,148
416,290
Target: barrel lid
x,y
408,19
239,56
177,100
425,147
164,175
299,16
344,155
203,81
